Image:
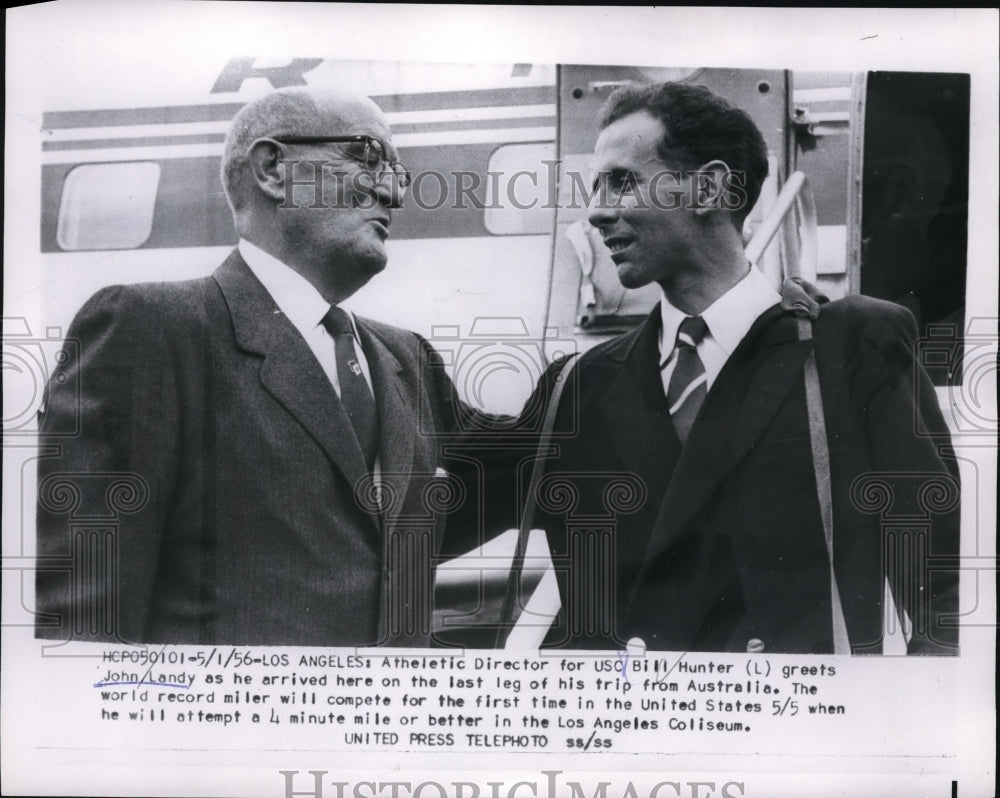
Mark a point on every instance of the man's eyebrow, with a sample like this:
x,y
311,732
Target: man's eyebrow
x,y
611,173
620,172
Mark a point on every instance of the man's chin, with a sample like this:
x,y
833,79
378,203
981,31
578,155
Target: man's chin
x,y
373,262
356,277
630,277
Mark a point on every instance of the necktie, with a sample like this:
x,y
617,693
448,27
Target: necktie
x,y
355,394
688,385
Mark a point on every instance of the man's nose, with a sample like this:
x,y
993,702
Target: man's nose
x,y
600,210
388,189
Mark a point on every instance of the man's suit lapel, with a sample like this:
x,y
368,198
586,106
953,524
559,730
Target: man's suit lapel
x,y
397,418
289,371
634,406
743,401
406,460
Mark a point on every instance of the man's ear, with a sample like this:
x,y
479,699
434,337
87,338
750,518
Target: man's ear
x,y
711,181
267,169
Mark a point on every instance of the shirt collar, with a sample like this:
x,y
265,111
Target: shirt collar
x,y
729,318
294,295
670,318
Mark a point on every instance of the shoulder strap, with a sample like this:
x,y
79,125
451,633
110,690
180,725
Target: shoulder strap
x,y
821,466
528,513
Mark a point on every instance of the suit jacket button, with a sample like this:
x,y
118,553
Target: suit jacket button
x,y
755,645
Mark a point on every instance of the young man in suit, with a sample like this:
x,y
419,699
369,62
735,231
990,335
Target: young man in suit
x,y
683,507
247,448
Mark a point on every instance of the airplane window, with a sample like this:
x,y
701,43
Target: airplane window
x,y
108,205
520,189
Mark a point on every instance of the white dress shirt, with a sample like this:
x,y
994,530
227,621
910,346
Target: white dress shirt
x,y
302,304
729,319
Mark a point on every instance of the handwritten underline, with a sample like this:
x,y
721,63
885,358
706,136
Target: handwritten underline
x,y
150,684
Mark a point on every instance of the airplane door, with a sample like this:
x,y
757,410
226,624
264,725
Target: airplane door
x,y
912,225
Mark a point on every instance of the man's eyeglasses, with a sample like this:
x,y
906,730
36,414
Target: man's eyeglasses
x,y
363,149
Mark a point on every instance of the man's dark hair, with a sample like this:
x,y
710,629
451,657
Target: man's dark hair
x,y
700,127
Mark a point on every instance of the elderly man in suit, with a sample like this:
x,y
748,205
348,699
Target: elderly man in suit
x,y
695,501
247,447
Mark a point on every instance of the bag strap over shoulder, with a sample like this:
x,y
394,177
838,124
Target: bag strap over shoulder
x,y
821,467
528,513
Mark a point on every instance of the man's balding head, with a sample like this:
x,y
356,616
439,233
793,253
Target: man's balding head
x,y
313,203
269,116
299,111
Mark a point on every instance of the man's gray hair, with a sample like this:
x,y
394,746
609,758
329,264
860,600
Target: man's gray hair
x,y
284,112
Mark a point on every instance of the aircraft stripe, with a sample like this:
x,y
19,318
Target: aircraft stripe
x,y
478,112
157,153
136,131
196,150
224,112
141,141
471,124
466,98
114,117
453,117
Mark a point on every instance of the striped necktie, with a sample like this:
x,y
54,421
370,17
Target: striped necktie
x,y
688,384
355,394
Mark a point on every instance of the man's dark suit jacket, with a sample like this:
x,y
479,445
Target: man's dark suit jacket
x,y
718,543
203,485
